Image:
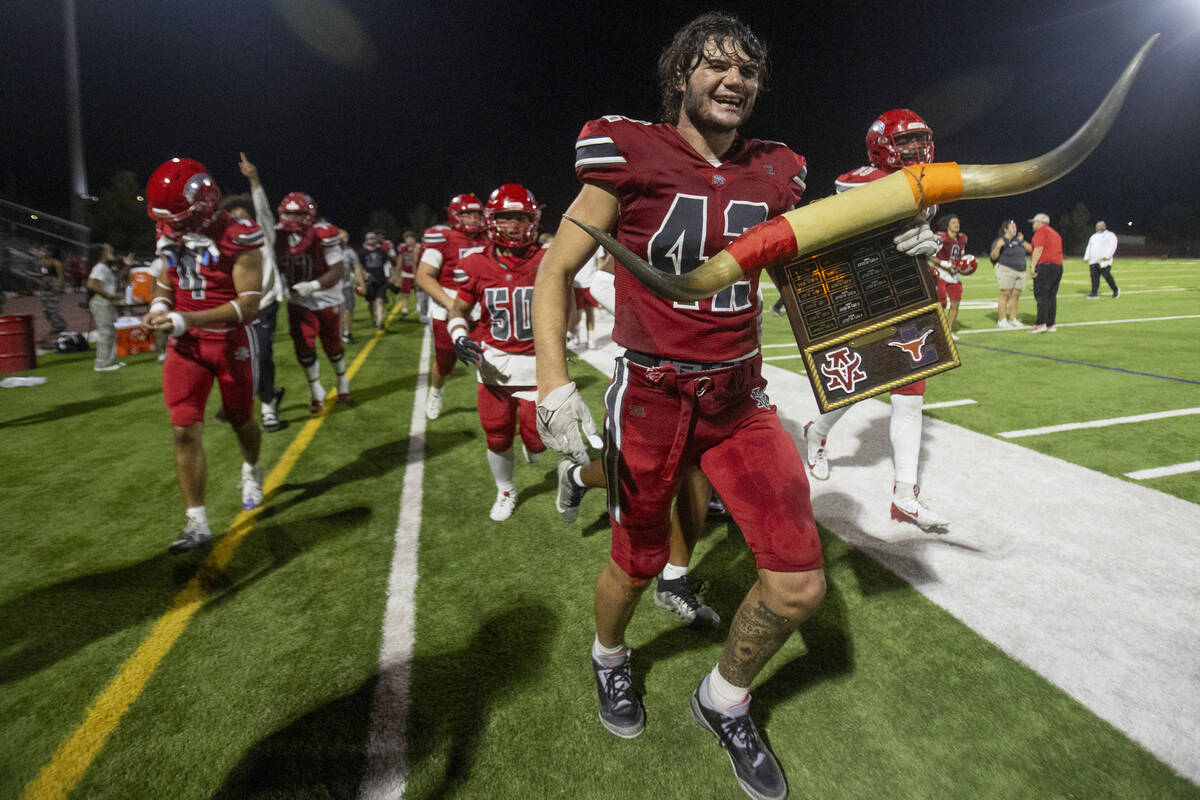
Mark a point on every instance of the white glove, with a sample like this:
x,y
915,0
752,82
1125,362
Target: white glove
x,y
306,288
559,419
919,241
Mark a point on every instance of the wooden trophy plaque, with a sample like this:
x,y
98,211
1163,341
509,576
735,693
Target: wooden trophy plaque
x,y
866,318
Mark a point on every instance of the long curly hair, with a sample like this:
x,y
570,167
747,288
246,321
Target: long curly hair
x,y
685,51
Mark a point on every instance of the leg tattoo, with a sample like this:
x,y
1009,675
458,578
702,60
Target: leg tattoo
x,y
756,634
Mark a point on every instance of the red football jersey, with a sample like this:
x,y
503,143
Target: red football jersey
x,y
200,268
306,256
408,258
857,177
446,247
677,211
953,248
503,287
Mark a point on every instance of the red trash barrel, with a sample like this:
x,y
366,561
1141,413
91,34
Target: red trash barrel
x,y
17,351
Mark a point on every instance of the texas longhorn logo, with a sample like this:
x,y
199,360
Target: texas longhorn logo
x,y
843,369
915,345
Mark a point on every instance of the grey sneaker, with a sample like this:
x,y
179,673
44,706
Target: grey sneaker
x,y
754,764
570,494
621,709
679,597
192,536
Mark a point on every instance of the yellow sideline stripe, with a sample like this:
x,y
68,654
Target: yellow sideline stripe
x,y
78,750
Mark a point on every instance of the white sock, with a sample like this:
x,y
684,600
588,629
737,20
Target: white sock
x,y
436,391
823,424
503,465
906,436
313,372
721,695
904,491
673,573
609,657
198,514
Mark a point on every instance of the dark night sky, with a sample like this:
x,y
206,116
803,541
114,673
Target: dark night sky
x,y
450,97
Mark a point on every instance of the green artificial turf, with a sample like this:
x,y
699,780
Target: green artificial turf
x,y
268,691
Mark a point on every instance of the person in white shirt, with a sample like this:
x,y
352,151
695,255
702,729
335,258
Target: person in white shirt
x,y
1099,257
102,283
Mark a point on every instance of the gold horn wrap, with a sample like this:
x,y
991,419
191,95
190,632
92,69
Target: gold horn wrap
x,y
902,195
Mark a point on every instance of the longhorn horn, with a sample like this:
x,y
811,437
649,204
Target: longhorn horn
x,y
902,195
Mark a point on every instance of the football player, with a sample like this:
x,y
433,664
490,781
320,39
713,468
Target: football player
x,y
308,252
949,264
406,260
445,246
688,389
896,139
500,280
206,295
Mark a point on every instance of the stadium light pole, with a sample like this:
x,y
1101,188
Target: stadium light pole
x,y
79,189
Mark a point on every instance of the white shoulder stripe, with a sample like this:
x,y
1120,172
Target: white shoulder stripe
x,y
593,140
584,162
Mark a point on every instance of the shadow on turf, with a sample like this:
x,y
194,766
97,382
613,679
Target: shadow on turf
x,y
370,463
82,407
49,624
453,693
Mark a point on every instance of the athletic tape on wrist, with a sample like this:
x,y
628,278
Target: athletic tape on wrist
x,y
456,328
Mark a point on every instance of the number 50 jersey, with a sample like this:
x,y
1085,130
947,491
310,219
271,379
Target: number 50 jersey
x,y
503,287
677,211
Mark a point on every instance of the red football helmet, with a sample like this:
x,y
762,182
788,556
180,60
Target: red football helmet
x,y
297,203
897,138
967,265
181,195
512,197
459,204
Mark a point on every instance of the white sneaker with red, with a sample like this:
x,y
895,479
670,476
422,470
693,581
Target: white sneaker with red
x,y
506,503
818,464
1038,329
911,509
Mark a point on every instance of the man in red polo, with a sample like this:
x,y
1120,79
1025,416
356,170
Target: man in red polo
x,y
1046,272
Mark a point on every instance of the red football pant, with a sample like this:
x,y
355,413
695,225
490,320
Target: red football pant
x,y
305,325
443,348
193,364
948,291
499,412
658,421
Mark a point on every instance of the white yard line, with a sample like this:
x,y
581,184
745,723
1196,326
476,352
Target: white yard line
x,y
972,331
1086,578
1099,423
783,358
387,746
950,404
1162,472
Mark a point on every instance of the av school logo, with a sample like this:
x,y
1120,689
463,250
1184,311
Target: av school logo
x,y
843,370
760,397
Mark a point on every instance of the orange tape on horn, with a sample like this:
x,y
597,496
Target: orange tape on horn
x,y
934,183
763,243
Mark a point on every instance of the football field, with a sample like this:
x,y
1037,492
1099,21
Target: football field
x,y
370,632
